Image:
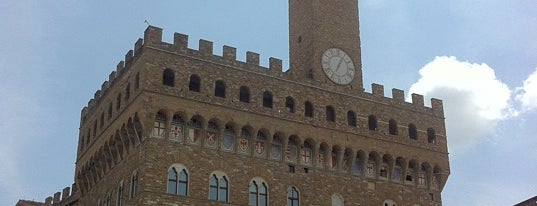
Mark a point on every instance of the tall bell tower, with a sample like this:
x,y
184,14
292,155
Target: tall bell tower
x,y
324,42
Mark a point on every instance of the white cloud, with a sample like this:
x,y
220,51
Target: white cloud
x,y
474,99
527,94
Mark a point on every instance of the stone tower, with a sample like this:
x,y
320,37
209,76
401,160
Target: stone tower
x,y
174,125
326,28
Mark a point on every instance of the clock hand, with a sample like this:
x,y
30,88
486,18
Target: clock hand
x,y
339,64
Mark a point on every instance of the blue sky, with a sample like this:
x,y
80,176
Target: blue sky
x,y
479,56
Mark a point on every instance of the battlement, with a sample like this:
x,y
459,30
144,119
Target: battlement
x,y
153,40
61,198
398,97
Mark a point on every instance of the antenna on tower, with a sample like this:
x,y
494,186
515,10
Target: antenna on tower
x,y
147,22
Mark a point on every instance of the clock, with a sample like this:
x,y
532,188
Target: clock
x,y
338,66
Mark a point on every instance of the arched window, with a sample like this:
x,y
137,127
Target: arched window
x,y
177,181
118,101
290,105
307,153
389,203
351,118
371,168
422,177
267,99
211,135
276,148
431,136
330,114
398,170
260,145
393,127
177,130
322,155
158,126
119,199
101,123
194,83
110,110
134,184
291,150
194,131
168,77
218,188
244,94
308,109
384,169
137,81
334,158
372,122
357,169
293,197
220,89
244,141
128,91
228,138
258,193
337,200
412,131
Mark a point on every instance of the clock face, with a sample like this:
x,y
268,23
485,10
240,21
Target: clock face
x,y
338,66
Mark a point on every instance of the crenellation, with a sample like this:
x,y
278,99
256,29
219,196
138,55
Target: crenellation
x,y
437,106
398,95
128,58
275,65
153,36
252,58
229,53
48,201
180,41
120,68
417,99
105,86
56,198
66,192
112,76
205,47
138,46
377,90
97,95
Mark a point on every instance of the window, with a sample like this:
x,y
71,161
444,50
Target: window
x,y
308,109
244,94
334,159
177,181
194,83
431,136
412,131
276,148
351,118
371,168
110,110
101,124
168,77
220,89
291,169
218,188
228,138
357,169
128,92
137,81
393,127
244,141
397,170
337,200
293,197
177,129
258,193
118,102
267,99
194,131
119,200
134,184
158,126
372,122
389,203
211,135
330,114
290,105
